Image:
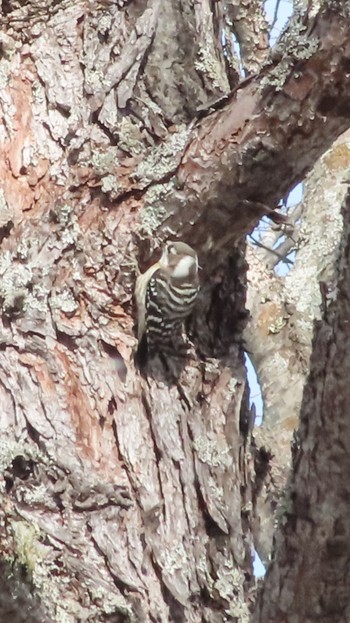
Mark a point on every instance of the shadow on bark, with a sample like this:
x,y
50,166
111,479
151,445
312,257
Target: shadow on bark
x,y
17,602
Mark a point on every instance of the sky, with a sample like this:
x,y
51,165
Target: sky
x,y
285,9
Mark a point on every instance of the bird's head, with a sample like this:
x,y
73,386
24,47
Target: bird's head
x,y
180,260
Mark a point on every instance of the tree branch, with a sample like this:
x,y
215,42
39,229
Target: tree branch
x,y
266,137
249,24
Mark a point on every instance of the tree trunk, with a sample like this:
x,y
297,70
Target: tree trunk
x,y
312,544
129,496
283,311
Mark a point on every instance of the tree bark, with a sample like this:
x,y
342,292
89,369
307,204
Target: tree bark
x,y
129,497
309,571
283,311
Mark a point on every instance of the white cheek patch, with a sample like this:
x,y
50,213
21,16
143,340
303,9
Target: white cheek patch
x,y
164,259
183,268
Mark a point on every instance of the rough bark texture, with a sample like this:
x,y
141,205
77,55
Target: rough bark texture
x,y
266,137
308,580
128,497
282,316
248,22
122,495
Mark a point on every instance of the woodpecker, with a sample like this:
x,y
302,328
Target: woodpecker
x,y
165,296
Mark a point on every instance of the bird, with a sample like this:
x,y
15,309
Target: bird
x,y
165,296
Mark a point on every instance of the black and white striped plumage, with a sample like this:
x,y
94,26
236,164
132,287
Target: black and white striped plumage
x,y
165,296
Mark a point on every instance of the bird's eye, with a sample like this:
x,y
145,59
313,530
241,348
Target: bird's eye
x,y
172,249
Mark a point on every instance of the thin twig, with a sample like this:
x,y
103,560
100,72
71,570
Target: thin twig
x,y
275,15
280,258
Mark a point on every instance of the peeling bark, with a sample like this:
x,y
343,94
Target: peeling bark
x,y
129,497
283,312
249,24
121,495
312,557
